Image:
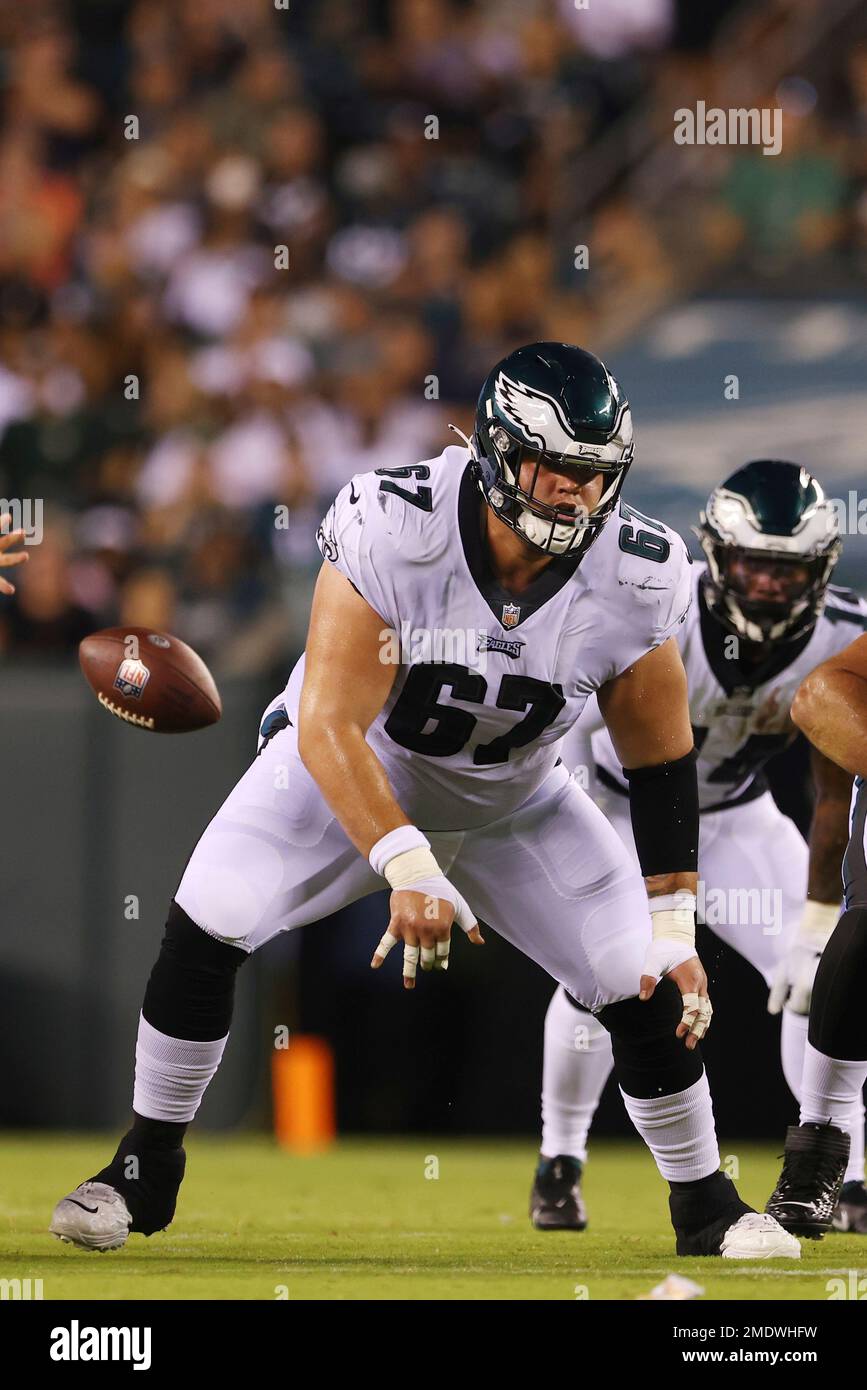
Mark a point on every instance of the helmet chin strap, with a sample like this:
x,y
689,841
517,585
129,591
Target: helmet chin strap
x,y
460,434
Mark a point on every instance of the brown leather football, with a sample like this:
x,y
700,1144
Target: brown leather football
x,y
150,680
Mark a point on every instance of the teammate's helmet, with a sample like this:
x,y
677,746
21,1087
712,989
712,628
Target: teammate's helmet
x,y
770,518
551,404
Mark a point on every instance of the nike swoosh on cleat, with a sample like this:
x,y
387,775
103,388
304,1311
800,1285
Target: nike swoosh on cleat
x,y
91,1210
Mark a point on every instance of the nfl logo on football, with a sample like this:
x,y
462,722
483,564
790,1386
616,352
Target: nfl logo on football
x,y
131,679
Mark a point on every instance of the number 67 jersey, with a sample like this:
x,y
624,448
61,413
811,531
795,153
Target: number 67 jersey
x,y
488,682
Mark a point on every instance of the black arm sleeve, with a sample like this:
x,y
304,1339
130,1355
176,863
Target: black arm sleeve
x,y
663,802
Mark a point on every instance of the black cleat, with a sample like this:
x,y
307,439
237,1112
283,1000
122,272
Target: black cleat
x,y
702,1212
556,1203
148,1179
806,1194
709,1218
850,1213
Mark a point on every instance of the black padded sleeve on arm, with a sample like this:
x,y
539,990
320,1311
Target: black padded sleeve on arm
x,y
663,802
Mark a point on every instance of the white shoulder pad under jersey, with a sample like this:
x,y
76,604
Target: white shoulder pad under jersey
x,y
741,716
640,573
487,682
386,524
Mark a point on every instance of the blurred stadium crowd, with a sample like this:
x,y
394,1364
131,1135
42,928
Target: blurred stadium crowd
x,y
330,220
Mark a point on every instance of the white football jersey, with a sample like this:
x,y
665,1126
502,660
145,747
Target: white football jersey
x,y
487,683
740,717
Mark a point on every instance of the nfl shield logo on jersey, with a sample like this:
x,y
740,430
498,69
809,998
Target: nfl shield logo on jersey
x,y
511,615
131,679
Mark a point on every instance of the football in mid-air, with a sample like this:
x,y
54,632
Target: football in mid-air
x,y
150,679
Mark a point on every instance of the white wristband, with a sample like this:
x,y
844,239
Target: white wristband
x,y
415,868
405,837
818,920
673,916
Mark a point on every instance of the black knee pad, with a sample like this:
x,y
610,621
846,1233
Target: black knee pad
x,y
838,1020
648,1059
192,985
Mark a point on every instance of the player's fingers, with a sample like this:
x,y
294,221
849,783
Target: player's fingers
x,y
697,1012
646,986
776,1000
436,957
410,964
705,1014
411,952
9,538
387,943
688,1018
691,1005
779,991
475,936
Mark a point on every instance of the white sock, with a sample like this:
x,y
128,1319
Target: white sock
x,y
855,1166
679,1131
793,1042
831,1093
171,1074
578,1062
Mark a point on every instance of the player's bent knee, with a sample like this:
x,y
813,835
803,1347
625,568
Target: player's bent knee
x,y
838,1025
191,987
649,1059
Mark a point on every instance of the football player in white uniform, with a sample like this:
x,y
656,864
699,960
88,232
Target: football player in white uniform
x,y
763,616
467,608
812,1193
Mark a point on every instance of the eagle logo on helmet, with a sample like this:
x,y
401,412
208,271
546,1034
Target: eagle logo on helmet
x,y
539,417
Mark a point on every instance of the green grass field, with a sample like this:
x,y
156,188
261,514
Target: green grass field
x,y
363,1221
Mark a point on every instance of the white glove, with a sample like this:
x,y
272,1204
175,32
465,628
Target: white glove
x,y
793,981
664,954
673,917
404,857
